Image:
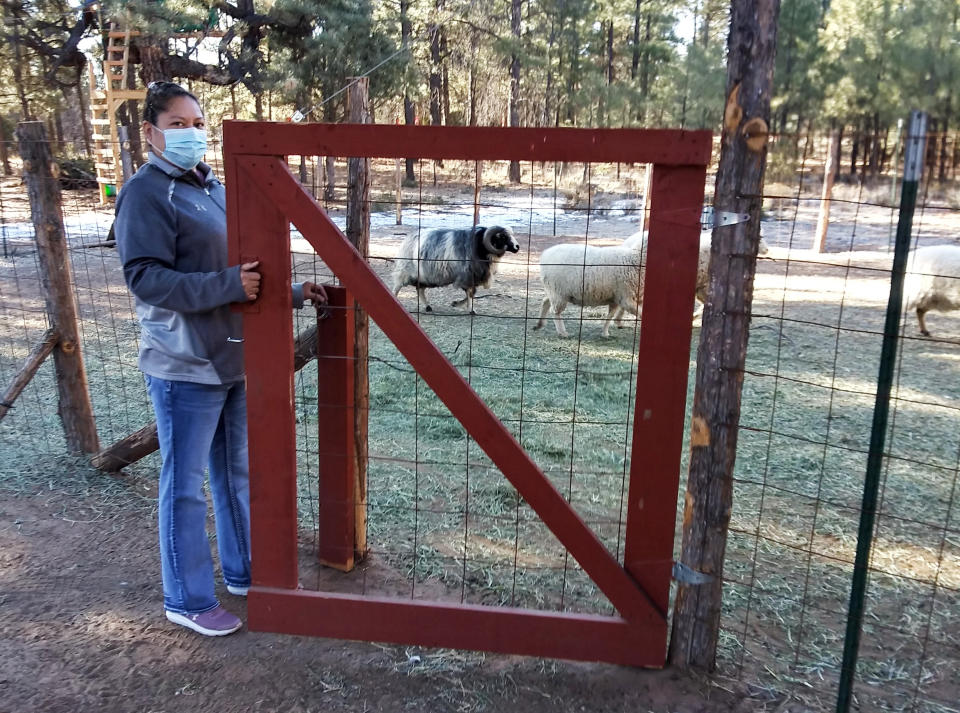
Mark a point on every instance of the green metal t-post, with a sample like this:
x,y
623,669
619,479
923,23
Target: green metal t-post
x,y
912,168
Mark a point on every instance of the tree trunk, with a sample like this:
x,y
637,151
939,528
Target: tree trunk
x,y
258,106
645,67
409,117
721,354
133,109
436,79
4,154
610,73
865,150
635,44
58,126
84,119
152,61
17,68
515,15
942,173
74,408
444,77
548,107
472,88
854,151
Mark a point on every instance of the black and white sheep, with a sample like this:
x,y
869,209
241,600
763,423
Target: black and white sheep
x,y
933,282
464,258
591,276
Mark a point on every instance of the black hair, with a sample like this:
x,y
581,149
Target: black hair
x,y
159,96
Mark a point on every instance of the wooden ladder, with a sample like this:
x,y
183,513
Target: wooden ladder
x,y
104,104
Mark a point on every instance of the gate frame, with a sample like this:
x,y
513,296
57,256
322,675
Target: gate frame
x,y
263,197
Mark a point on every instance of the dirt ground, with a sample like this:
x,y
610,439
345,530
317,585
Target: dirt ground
x,y
81,629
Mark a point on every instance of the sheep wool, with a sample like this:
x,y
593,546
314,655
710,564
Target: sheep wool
x,y
465,258
933,282
591,276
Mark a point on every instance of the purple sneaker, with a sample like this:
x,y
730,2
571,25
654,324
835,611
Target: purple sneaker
x,y
216,622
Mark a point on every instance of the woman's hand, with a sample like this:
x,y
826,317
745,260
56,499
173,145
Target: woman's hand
x,y
250,279
315,293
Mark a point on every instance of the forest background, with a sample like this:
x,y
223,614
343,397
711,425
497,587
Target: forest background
x,y
857,66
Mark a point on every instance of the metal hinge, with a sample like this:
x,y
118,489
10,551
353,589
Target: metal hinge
x,y
711,218
686,575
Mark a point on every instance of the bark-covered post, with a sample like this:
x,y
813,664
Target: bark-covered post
x,y
358,232
516,13
399,181
126,160
723,337
43,189
4,153
478,170
829,175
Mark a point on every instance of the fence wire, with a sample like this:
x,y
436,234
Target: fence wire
x,y
444,523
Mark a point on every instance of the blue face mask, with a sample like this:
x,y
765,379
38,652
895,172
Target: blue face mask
x,y
184,147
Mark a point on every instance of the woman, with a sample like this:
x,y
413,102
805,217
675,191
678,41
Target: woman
x,y
171,231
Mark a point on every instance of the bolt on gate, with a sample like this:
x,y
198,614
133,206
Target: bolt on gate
x,y
264,197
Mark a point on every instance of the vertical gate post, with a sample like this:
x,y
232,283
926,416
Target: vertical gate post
x,y
722,352
670,283
336,415
75,409
261,234
358,232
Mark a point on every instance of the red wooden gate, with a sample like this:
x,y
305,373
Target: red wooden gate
x,y
263,195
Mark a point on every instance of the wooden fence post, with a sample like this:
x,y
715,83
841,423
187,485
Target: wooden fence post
x,y
399,180
43,189
358,232
829,175
723,337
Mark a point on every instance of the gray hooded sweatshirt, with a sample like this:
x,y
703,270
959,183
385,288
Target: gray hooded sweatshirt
x,y
171,230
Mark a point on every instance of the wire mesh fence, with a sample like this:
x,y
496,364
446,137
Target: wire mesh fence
x,y
444,523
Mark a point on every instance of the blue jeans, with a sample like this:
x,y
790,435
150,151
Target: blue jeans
x,y
200,425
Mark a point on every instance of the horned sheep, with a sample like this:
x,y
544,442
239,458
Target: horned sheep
x,y
465,258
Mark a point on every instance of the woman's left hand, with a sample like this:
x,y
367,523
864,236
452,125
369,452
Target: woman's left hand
x,y
315,293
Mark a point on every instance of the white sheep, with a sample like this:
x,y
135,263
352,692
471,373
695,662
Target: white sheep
x,y
933,282
703,262
591,276
466,258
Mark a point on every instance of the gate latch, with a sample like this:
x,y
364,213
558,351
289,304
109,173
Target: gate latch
x,y
686,575
711,218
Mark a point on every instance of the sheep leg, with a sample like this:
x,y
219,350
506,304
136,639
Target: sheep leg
x,y
422,294
558,323
544,308
921,317
617,316
631,307
468,298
